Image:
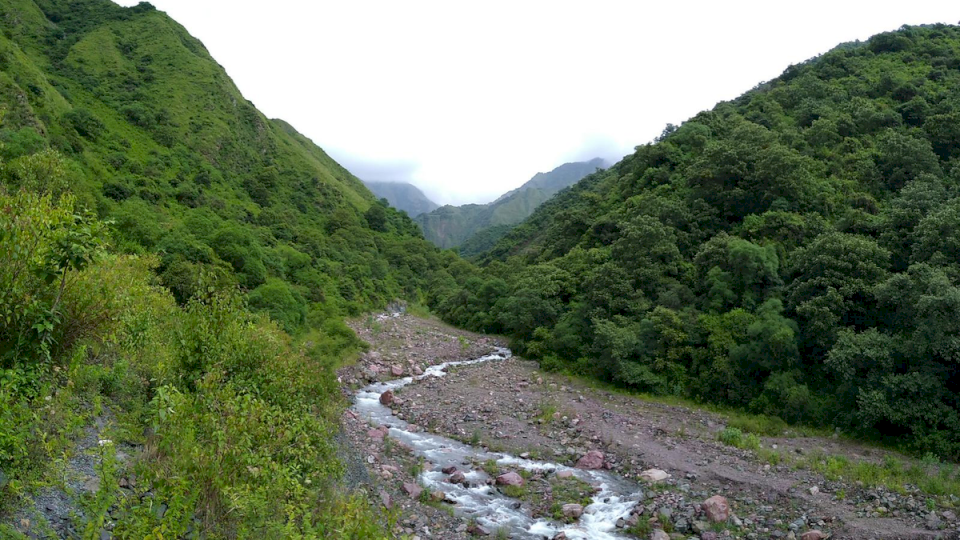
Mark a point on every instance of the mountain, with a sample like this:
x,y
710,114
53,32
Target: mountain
x,y
403,196
792,252
451,226
176,269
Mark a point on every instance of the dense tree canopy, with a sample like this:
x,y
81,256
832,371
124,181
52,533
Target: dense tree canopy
x,y
794,251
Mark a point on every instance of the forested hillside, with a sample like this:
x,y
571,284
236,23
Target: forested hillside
x,y
477,227
403,196
175,272
794,252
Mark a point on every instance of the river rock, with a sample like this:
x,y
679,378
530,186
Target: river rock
x,y
510,479
564,474
572,511
654,475
449,469
592,460
716,508
477,530
457,478
813,535
386,398
560,536
411,489
396,370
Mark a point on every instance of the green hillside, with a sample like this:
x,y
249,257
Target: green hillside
x,y
452,226
403,196
794,252
177,267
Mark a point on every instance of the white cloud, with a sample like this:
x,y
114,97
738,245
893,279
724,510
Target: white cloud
x,y
474,98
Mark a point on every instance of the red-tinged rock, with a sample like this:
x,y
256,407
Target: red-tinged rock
x,y
396,370
413,490
572,511
449,469
592,460
457,478
386,398
510,479
716,508
813,535
385,498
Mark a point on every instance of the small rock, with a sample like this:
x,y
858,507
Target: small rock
x,y
572,511
564,474
592,460
659,535
385,499
709,535
814,490
438,496
654,475
716,508
457,478
450,469
813,535
510,479
560,536
386,398
396,370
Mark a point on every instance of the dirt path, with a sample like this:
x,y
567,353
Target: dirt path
x,y
511,406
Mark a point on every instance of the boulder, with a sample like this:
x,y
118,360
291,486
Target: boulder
x,y
477,530
457,478
813,535
564,474
396,370
560,536
572,511
716,508
592,460
510,479
386,398
654,475
659,535
449,469
385,498
413,490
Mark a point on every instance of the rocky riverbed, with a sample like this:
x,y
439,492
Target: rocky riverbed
x,y
529,440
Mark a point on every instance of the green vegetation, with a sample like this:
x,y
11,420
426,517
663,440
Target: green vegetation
x,y
477,227
568,491
792,252
732,436
178,266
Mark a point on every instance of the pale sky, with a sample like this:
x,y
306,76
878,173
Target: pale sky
x,y
468,100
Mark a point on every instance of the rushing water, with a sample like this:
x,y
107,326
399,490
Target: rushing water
x,y
493,510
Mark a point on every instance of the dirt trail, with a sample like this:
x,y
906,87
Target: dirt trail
x,y
511,406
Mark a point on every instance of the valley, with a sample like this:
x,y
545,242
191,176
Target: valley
x,y
505,415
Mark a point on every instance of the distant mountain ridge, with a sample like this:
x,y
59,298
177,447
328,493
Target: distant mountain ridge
x,y
456,226
403,196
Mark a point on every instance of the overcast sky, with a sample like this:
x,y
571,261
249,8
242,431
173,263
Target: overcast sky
x,y
468,100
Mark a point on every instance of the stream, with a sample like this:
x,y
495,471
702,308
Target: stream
x,y
482,502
